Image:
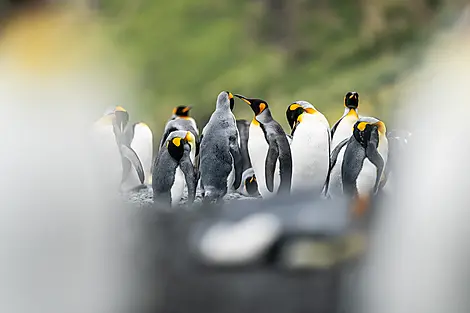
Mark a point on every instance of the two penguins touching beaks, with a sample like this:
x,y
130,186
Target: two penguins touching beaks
x,y
257,158
260,158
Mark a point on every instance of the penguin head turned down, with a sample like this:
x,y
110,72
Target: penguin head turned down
x,y
225,99
351,100
295,110
251,185
177,142
122,117
365,127
181,111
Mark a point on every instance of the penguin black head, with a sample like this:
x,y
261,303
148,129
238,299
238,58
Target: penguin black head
x,y
257,105
232,101
176,145
122,117
351,100
292,114
251,185
363,129
182,111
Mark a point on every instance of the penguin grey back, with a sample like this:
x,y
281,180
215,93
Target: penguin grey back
x,y
362,144
244,131
219,150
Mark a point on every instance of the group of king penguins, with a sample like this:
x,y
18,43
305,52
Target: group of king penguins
x,y
350,159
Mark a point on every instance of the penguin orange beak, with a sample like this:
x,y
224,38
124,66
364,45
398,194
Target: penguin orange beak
x,y
243,98
186,109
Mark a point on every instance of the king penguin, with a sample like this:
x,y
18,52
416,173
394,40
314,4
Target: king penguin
x,y
111,139
269,150
341,131
139,137
220,157
365,158
310,147
174,169
180,120
249,184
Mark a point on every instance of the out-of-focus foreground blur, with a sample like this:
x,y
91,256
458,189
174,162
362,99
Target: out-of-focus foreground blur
x,y
66,245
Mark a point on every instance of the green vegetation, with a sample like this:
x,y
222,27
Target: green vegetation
x,y
186,51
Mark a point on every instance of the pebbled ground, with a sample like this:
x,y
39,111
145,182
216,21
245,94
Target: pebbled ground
x,y
143,197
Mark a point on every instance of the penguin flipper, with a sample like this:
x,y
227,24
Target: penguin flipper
x,y
129,154
270,165
333,129
237,163
374,156
189,172
327,181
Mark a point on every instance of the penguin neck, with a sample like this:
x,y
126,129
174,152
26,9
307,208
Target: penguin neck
x,y
264,116
223,107
349,111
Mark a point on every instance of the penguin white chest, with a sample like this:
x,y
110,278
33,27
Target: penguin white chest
x,y
178,187
335,187
343,130
366,179
258,150
365,182
310,153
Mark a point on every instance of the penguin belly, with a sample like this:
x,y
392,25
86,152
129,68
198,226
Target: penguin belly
x,y
344,130
178,187
335,187
310,156
365,181
258,150
142,144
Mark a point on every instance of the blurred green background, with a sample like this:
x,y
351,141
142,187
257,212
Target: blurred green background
x,y
187,51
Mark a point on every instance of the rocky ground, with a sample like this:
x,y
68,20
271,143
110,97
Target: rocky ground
x,y
143,197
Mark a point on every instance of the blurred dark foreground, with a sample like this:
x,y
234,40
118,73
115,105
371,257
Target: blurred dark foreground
x,y
304,264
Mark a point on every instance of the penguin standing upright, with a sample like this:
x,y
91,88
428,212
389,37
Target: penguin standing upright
x,y
220,158
112,140
365,158
269,150
174,168
342,131
139,138
310,147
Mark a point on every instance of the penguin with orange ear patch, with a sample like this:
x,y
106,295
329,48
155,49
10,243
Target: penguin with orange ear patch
x,y
365,158
269,150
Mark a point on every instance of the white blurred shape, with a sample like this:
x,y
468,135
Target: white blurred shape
x,y
419,253
58,214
